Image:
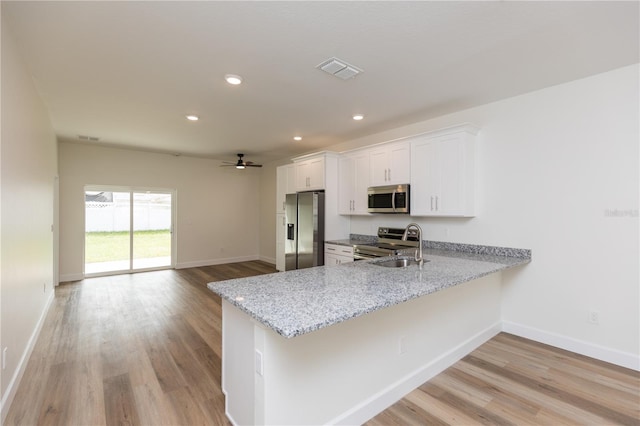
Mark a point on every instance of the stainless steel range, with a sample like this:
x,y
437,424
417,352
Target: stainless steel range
x,y
390,243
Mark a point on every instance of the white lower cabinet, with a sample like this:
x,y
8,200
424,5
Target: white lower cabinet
x,y
335,254
442,173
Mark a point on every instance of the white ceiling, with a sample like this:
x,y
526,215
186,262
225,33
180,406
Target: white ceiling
x,y
128,72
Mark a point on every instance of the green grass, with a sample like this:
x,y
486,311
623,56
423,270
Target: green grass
x,y
112,246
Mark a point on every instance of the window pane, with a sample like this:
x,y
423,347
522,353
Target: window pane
x,y
151,230
107,227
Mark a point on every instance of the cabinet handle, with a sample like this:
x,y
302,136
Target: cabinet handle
x,y
283,207
330,249
432,203
389,174
436,203
283,221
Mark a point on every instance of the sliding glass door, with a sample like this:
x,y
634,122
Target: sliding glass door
x,y
127,230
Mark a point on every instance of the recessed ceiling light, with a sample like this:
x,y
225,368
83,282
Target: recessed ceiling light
x,y
358,117
233,79
192,117
297,138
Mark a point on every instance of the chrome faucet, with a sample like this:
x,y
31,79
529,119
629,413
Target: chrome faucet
x,y
418,256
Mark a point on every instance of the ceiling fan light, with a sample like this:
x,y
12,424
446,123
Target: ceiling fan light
x,y
233,79
358,117
192,117
297,138
239,167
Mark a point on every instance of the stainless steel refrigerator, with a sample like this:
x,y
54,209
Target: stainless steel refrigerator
x,y
304,245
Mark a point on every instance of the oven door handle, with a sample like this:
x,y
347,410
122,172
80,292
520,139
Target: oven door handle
x,y
363,257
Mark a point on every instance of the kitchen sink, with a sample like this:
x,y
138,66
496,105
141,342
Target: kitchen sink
x,y
397,263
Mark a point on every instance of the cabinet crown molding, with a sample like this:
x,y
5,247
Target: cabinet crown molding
x,y
463,127
314,155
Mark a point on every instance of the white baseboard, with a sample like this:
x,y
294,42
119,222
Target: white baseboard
x,y
198,263
613,356
396,391
70,277
271,260
10,393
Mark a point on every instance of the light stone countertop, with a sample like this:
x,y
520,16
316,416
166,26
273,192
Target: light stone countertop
x,y
297,302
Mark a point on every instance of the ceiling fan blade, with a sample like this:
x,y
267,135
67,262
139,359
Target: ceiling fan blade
x,y
240,164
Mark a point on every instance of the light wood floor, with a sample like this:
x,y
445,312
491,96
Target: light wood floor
x,y
145,349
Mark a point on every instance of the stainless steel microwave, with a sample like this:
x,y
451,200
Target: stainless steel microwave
x,y
388,199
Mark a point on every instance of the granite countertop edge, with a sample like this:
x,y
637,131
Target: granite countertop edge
x,y
299,302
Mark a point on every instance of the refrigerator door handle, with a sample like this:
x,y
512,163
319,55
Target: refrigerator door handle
x,y
290,232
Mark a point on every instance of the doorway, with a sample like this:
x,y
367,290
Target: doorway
x,y
128,230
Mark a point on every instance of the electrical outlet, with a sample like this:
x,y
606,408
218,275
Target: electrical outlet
x,y
402,345
4,358
594,317
259,363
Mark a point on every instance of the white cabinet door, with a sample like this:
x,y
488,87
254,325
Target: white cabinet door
x,y
399,163
346,187
424,177
354,181
280,240
291,179
310,174
286,184
379,163
281,188
360,183
442,175
390,164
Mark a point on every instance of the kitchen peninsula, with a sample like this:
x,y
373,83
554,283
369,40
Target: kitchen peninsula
x,y
336,345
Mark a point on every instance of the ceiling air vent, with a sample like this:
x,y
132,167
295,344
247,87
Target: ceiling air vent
x,y
339,68
88,138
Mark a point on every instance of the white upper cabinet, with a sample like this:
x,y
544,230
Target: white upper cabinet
x,y
310,174
286,184
443,173
354,180
390,164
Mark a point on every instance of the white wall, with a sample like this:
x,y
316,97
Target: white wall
x,y
552,164
28,169
218,208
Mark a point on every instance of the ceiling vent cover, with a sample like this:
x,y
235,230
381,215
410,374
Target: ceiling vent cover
x,y
339,68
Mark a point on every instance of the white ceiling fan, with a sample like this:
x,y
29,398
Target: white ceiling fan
x,y
240,164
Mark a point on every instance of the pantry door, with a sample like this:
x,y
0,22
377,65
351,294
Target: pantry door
x,y
128,230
